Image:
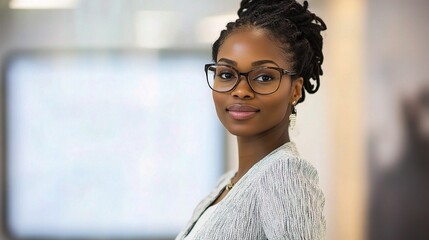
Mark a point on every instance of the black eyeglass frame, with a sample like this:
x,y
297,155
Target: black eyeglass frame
x,y
246,74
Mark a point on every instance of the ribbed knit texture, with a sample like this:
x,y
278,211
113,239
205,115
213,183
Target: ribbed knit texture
x,y
278,198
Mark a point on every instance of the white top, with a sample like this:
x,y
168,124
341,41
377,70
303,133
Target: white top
x,y
203,219
278,198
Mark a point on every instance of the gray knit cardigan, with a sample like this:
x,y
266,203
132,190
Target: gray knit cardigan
x,y
278,198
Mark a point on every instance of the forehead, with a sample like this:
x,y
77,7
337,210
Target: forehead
x,y
251,45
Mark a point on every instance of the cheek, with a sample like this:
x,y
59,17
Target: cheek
x,y
218,100
279,109
278,104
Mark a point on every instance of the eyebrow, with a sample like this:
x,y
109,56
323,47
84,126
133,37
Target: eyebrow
x,y
256,63
226,60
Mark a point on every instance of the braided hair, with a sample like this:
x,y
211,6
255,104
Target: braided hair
x,y
293,26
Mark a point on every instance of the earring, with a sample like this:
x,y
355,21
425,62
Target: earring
x,y
292,117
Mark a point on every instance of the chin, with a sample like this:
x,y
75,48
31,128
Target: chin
x,y
254,129
242,131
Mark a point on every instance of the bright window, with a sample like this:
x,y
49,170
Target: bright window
x,y
108,144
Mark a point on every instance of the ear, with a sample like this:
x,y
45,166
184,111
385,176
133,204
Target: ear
x,y
296,90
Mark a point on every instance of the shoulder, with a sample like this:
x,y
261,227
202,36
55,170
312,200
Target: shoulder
x,y
285,163
289,178
290,200
289,166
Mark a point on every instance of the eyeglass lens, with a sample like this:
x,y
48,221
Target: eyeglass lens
x,y
262,80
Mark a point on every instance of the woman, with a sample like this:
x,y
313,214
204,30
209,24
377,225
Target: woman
x,y
263,65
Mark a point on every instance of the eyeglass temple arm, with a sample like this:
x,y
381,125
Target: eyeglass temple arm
x,y
290,73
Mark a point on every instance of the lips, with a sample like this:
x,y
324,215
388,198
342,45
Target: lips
x,y
241,111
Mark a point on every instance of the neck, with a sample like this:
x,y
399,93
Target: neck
x,y
254,148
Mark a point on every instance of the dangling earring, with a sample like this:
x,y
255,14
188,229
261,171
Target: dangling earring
x,y
292,117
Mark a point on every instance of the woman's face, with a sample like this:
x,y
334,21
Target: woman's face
x,y
242,111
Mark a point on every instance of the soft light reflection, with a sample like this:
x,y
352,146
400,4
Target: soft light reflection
x,y
157,29
42,4
107,146
208,29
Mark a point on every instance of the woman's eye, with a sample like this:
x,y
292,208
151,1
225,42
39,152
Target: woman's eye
x,y
226,75
264,78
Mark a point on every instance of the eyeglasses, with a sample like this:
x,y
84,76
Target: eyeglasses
x,y
262,80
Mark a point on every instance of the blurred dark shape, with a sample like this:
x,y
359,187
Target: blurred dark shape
x,y
399,201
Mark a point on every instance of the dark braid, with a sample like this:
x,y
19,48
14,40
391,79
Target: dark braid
x,y
293,26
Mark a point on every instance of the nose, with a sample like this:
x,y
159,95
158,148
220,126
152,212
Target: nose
x,y
243,89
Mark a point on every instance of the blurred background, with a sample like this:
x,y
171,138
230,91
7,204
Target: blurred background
x,y
109,132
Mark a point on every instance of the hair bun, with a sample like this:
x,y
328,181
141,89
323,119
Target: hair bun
x,y
250,6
